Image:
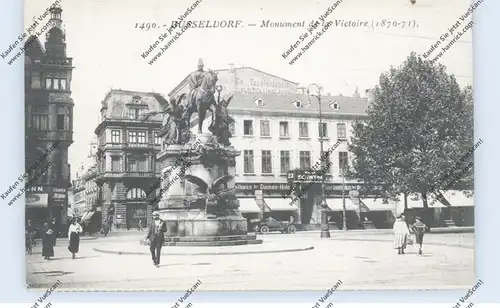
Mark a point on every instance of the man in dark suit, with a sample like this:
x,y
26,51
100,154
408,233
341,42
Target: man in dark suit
x,y
156,237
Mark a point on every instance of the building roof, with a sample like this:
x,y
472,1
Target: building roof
x,y
257,101
183,82
118,101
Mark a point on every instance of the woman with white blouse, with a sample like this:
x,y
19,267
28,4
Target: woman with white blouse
x,y
74,237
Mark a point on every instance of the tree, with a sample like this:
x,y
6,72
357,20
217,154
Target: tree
x,y
419,126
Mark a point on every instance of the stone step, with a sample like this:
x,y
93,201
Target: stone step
x,y
212,243
221,238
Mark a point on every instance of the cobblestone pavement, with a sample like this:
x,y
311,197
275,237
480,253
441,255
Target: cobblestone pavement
x,y
361,261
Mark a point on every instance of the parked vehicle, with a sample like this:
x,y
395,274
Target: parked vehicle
x,y
273,225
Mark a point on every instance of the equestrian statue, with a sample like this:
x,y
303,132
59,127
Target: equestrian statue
x,y
201,94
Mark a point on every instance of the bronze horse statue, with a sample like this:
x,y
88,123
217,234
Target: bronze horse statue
x,y
203,99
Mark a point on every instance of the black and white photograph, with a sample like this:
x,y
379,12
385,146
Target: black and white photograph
x,y
216,145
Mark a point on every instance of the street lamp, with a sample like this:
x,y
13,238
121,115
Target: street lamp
x,y
344,218
325,230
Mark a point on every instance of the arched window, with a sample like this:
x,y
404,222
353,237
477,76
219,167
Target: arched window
x,y
135,193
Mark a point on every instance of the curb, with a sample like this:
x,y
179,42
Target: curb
x,y
206,253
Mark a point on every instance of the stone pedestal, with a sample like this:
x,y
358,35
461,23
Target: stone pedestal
x,y
197,199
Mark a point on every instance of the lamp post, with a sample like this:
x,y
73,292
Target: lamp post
x,y
325,230
344,218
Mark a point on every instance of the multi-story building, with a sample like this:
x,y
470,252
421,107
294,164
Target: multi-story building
x,y
277,128
78,206
49,123
126,157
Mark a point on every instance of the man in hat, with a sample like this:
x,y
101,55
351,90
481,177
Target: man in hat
x,y
419,229
156,237
194,80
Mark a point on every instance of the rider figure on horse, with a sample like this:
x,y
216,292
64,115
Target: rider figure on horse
x,y
195,79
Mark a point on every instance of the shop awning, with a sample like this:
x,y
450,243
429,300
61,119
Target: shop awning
x,y
417,203
457,198
335,204
249,205
281,204
378,204
87,216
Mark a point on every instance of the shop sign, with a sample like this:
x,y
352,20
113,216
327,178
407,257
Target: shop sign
x,y
59,195
305,176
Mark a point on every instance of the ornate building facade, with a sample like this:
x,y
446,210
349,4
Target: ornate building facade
x,y
126,157
48,123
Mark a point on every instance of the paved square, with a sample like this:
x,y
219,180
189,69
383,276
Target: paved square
x,y
361,261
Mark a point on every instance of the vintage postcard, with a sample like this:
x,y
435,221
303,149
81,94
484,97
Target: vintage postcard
x,y
201,145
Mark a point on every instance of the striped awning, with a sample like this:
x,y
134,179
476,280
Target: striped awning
x,y
249,205
281,204
457,198
336,204
379,204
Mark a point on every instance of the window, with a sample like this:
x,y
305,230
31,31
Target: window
x,y
285,161
232,128
115,136
116,164
133,113
39,121
322,130
326,162
63,84
264,128
247,128
132,164
141,137
60,122
267,162
35,80
343,160
55,83
136,193
284,129
62,118
305,160
297,104
132,137
303,129
341,131
48,83
157,139
248,161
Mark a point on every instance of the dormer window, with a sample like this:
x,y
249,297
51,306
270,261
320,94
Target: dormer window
x,y
298,104
136,100
334,105
259,102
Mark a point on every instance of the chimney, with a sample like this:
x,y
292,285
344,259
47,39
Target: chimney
x,y
232,81
231,67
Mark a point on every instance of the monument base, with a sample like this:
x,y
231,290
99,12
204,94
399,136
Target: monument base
x,y
194,227
193,241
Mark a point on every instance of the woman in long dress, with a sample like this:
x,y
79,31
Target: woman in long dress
x,y
47,242
401,234
74,237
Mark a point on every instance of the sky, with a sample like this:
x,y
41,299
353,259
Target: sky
x,y
106,47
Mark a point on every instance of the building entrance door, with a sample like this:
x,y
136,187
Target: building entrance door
x,y
136,212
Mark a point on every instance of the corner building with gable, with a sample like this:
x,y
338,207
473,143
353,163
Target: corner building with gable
x,y
48,119
126,158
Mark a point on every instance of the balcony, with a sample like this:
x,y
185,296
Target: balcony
x,y
133,145
128,174
50,135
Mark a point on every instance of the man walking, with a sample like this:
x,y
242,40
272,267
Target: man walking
x,y
156,237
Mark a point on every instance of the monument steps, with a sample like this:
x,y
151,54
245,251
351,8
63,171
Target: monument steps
x,y
210,241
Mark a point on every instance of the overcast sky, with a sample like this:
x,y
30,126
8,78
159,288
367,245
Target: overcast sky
x,y
106,48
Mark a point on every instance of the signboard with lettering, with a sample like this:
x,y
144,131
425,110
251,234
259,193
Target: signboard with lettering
x,y
304,176
284,187
59,195
36,196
